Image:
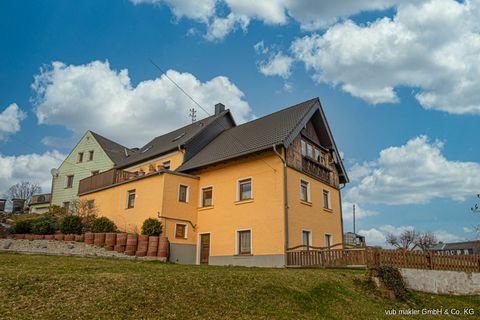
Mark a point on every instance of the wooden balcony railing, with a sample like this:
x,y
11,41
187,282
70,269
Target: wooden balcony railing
x,y
312,167
100,180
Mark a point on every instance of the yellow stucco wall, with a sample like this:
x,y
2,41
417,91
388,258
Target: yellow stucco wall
x,y
264,215
153,194
312,216
173,208
175,158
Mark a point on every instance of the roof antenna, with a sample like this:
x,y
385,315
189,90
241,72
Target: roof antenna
x,y
193,114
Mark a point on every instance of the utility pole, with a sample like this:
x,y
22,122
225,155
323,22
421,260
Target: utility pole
x,y
354,231
193,114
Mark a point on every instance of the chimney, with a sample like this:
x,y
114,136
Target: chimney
x,y
219,107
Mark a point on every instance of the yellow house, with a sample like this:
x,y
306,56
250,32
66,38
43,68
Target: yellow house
x,y
232,195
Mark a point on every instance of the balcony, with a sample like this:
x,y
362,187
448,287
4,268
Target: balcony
x,y
317,170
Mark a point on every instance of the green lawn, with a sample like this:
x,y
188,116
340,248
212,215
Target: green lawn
x,y
46,287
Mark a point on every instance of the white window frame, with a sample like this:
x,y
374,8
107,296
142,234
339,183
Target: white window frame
x,y
186,230
237,253
128,198
329,203
187,198
310,147
309,197
325,240
310,236
238,189
303,147
92,153
78,157
201,196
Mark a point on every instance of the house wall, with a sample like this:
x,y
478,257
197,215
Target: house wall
x,y
264,215
80,170
175,158
182,250
312,216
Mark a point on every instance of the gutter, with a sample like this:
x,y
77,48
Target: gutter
x,y
285,197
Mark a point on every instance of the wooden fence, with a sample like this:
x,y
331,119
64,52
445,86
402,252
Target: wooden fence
x,y
324,257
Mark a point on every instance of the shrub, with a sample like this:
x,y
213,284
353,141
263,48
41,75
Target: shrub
x,y
23,226
71,225
103,224
151,227
392,279
43,226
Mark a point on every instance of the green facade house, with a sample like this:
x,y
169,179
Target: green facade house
x,y
93,154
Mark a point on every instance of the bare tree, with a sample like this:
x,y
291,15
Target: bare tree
x,y
426,240
406,240
23,190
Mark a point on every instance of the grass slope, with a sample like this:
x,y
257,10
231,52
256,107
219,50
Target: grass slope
x,y
46,287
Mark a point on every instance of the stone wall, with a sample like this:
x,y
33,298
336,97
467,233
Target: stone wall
x,y
442,282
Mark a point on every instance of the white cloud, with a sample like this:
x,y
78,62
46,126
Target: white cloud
x,y
196,10
33,167
278,65
10,119
414,173
360,211
220,16
467,230
431,46
219,28
94,96
377,236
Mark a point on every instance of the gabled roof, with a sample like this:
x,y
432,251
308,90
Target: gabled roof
x,y
171,141
279,128
115,151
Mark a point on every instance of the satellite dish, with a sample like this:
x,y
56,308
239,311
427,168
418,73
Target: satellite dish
x,y
54,172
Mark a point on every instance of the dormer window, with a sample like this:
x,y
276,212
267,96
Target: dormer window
x,y
309,150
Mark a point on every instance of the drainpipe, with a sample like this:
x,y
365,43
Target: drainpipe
x,y
285,197
341,207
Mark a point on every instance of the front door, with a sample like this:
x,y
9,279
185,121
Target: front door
x,y
204,248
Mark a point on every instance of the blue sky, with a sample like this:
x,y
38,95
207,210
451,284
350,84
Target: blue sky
x,y
397,79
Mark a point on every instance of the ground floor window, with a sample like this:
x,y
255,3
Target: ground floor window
x,y
181,230
307,238
328,240
244,242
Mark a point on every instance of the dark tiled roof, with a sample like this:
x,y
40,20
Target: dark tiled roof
x,y
256,135
169,141
115,151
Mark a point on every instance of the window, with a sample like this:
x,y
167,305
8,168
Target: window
x,y
90,155
95,172
166,165
181,231
317,154
304,191
66,206
80,157
328,240
244,242
245,189
304,148
309,150
207,197
307,238
322,160
90,204
130,199
326,199
69,181
183,193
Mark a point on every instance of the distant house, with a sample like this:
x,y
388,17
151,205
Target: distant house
x,y
458,248
92,155
354,240
232,194
40,203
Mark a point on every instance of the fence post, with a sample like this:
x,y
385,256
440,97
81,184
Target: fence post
x,y
429,260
